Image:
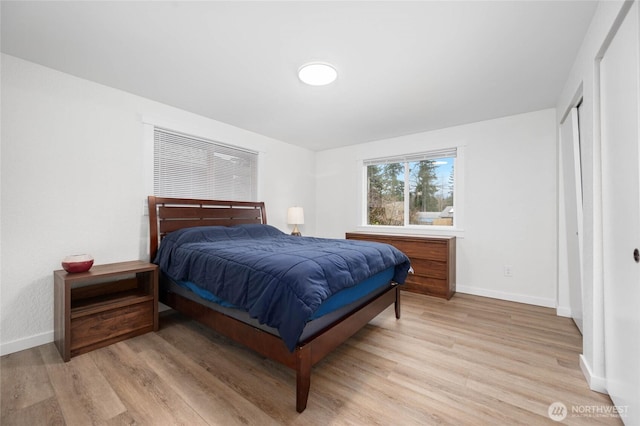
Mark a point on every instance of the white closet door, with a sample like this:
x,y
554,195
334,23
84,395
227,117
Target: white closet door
x,y
572,178
620,72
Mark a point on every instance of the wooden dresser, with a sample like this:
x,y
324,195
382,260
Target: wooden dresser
x,y
433,260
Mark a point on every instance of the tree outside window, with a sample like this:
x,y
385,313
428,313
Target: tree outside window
x,y
386,194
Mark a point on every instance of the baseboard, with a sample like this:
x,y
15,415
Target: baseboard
x,y
596,383
26,343
563,311
529,300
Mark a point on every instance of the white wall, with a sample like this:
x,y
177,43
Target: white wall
x,y
583,81
73,180
509,201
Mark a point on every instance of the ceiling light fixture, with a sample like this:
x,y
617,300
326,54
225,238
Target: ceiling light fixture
x,y
317,74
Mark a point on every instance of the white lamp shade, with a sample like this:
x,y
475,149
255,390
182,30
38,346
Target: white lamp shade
x,y
295,216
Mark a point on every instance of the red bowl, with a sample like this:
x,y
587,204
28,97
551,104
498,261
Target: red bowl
x,y
77,263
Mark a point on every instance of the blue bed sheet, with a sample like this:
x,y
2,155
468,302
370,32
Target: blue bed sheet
x,y
279,279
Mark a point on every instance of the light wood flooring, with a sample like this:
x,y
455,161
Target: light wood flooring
x,y
467,361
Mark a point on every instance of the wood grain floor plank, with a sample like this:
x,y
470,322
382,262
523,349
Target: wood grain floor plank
x,y
467,408
149,399
24,381
46,412
211,398
238,368
385,401
84,395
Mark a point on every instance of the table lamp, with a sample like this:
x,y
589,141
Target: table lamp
x,y
295,217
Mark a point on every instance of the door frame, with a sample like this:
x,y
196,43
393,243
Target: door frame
x,y
563,275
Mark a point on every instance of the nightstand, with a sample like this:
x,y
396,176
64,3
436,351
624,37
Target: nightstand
x,y
104,305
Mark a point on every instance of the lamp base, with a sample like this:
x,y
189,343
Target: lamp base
x,y
296,231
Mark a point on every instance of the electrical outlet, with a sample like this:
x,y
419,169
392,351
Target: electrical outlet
x,y
508,270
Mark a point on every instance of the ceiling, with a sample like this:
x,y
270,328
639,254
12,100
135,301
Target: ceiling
x,y
403,67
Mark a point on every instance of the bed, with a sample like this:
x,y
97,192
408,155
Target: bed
x,y
197,244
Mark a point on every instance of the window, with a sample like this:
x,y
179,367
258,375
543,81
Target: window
x,y
190,167
412,190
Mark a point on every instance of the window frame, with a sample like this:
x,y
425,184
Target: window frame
x,y
458,199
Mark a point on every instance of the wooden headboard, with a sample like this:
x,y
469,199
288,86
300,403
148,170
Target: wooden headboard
x,y
170,214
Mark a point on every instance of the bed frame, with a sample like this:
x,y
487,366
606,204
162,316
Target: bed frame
x,y
170,214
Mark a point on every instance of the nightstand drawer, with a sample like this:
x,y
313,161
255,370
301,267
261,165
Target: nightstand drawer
x,y
106,325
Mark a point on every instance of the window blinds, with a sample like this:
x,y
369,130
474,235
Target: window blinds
x,y
189,167
429,155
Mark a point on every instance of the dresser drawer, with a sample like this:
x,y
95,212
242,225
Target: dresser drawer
x,y
429,268
419,250
429,286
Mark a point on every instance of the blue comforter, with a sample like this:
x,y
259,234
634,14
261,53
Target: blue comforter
x,y
277,278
